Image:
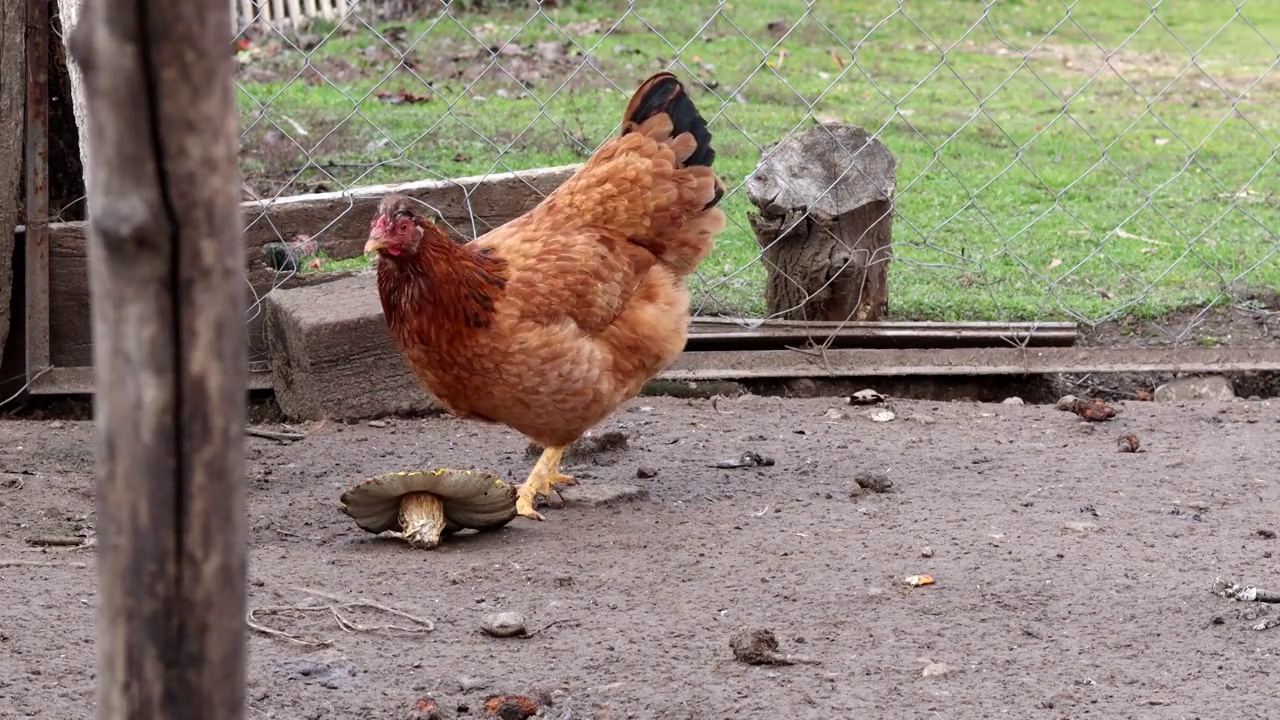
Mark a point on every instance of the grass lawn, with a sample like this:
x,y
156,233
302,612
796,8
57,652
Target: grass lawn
x,y
1043,186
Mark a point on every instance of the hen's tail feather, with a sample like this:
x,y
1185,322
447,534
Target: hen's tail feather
x,y
664,94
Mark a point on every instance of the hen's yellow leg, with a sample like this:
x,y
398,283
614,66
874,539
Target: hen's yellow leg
x,y
545,475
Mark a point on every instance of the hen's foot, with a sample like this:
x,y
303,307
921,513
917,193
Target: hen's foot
x,y
545,476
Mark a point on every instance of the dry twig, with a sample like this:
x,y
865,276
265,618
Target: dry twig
x,y
335,607
57,541
39,563
281,437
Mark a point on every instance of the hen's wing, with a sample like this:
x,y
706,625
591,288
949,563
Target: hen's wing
x,y
647,196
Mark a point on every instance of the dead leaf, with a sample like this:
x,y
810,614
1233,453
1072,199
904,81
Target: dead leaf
x,y
1056,262
1161,141
399,97
835,55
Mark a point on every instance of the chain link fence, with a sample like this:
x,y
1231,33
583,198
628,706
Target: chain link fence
x,y
1108,163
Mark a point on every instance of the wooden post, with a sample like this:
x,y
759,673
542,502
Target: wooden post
x,y
825,224
13,15
168,301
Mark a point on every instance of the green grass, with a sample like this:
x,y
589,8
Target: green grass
x,y
1041,190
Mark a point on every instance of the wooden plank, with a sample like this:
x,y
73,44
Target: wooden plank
x,y
770,364
711,323
716,334
81,381
469,206
168,304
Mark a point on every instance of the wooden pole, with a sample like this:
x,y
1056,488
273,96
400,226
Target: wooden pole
x,y
13,16
169,355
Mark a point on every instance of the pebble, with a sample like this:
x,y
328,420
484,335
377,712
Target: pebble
x,y
1082,527
1013,401
466,683
644,472
936,670
503,624
377,423
926,552
873,481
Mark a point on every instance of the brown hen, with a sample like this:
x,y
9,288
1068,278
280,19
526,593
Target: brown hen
x,y
550,322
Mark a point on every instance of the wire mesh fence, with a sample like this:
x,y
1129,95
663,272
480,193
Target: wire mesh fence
x,y
1083,160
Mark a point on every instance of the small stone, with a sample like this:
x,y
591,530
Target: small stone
x,y
834,414
595,495
377,423
503,624
926,552
645,472
936,670
466,683
1197,387
1012,401
875,482
1066,403
866,397
56,424
1082,527
880,415
1128,443
1267,534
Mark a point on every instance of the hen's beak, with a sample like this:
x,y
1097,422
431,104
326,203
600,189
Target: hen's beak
x,y
376,242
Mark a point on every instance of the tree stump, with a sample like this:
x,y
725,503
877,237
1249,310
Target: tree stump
x,y
825,200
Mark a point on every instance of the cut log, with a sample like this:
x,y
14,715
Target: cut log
x,y
825,223
332,356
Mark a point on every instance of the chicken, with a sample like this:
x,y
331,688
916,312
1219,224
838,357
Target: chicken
x,y
550,322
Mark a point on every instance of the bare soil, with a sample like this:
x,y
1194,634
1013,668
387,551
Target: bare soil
x,y
1072,580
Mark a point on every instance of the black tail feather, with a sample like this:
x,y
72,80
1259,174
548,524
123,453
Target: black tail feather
x,y
663,93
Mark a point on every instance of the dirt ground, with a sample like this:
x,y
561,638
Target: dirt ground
x,y
1072,580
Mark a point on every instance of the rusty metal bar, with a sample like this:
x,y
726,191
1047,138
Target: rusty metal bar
x,y
36,237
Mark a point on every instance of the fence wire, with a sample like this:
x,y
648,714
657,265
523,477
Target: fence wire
x,y
1086,161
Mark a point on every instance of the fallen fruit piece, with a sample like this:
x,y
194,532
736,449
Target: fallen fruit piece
x,y
1095,410
425,709
510,707
420,507
918,580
